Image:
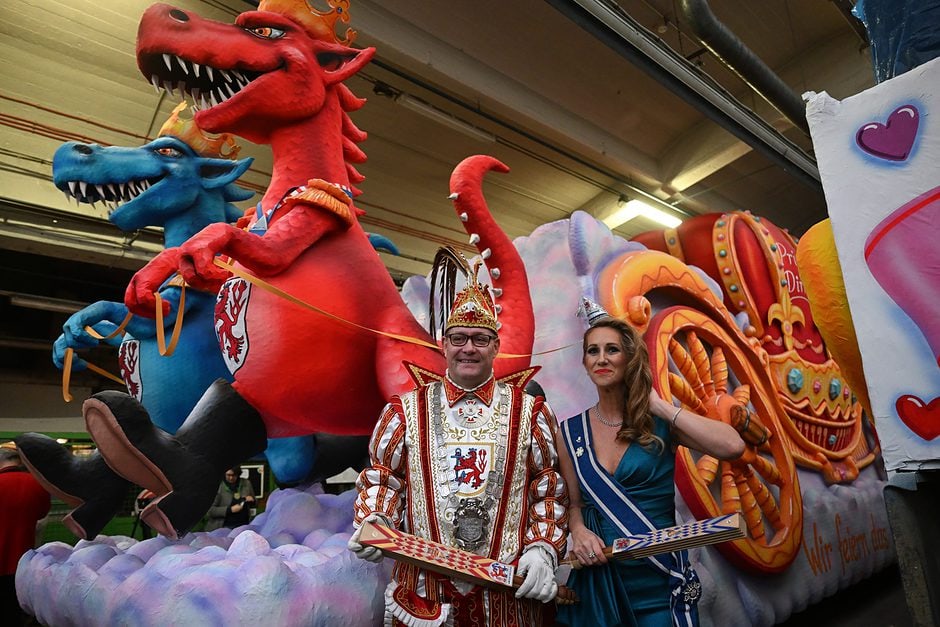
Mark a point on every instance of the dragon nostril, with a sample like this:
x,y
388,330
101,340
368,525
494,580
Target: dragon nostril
x,y
178,15
83,149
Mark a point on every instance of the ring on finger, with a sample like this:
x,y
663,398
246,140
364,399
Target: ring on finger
x,y
592,554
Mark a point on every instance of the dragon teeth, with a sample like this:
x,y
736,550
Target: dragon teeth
x,y
183,64
100,190
73,187
196,67
209,73
82,185
167,61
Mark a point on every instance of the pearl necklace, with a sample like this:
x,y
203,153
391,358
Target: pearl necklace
x,y
609,423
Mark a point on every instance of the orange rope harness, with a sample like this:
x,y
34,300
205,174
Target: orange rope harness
x,y
168,350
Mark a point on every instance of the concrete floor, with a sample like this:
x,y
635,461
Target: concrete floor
x,y
875,602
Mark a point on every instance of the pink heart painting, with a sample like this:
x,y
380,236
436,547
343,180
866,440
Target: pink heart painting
x,y
921,418
894,139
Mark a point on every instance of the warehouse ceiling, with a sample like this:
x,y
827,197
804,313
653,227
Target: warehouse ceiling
x,y
553,89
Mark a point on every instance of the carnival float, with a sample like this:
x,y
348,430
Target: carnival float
x,y
720,302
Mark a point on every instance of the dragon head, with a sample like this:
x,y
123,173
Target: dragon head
x,y
270,68
159,181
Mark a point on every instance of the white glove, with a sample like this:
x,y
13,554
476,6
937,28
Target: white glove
x,y
539,570
368,553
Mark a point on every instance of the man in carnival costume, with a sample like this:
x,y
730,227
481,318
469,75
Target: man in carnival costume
x,y
469,462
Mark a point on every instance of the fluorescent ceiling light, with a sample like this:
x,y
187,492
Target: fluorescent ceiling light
x,y
45,303
438,115
633,208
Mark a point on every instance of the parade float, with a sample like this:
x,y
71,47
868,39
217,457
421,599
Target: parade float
x,y
721,308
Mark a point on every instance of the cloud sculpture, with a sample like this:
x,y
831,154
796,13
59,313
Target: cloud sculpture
x,y
290,566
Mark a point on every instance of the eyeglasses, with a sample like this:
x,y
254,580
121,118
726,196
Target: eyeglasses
x,y
480,341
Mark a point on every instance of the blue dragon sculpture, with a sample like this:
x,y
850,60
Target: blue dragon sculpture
x,y
163,183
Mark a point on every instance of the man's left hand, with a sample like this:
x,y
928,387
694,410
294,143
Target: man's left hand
x,y
539,583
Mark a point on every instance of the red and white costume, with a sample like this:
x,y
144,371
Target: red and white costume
x,y
440,444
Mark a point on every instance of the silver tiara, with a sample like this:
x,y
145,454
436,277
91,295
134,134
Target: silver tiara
x,y
591,311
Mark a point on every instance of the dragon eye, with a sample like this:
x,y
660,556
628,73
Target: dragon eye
x,y
266,32
167,151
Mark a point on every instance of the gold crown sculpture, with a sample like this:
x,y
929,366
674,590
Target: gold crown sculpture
x,y
320,25
203,143
473,305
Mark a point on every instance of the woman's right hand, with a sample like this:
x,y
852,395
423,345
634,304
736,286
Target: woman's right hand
x,y
587,547
237,507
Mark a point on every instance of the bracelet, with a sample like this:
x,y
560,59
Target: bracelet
x,y
675,416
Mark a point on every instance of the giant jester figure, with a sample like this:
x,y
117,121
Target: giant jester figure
x,y
328,358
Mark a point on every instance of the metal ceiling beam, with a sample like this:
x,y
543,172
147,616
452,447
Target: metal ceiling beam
x,y
612,26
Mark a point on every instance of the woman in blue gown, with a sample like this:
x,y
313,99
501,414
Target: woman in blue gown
x,y
618,462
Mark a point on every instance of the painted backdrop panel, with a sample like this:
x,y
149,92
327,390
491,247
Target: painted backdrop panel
x,y
879,158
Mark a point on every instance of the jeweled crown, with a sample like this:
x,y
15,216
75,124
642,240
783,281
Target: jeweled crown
x,y
473,306
318,24
206,144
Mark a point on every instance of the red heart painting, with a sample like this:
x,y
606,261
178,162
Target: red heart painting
x,y
921,418
893,140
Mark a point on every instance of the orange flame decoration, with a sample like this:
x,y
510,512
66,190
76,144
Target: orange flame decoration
x,y
203,143
319,25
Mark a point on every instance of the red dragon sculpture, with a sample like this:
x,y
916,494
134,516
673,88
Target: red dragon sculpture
x,y
275,76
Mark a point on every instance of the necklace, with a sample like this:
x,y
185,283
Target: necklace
x,y
609,423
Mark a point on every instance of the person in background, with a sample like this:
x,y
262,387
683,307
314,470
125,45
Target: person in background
x,y
618,462
472,463
23,503
233,502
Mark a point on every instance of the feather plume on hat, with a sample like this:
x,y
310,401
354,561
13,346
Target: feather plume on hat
x,y
470,307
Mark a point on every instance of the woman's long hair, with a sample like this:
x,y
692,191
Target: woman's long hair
x,y
637,382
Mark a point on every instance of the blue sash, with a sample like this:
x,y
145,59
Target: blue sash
x,y
615,505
